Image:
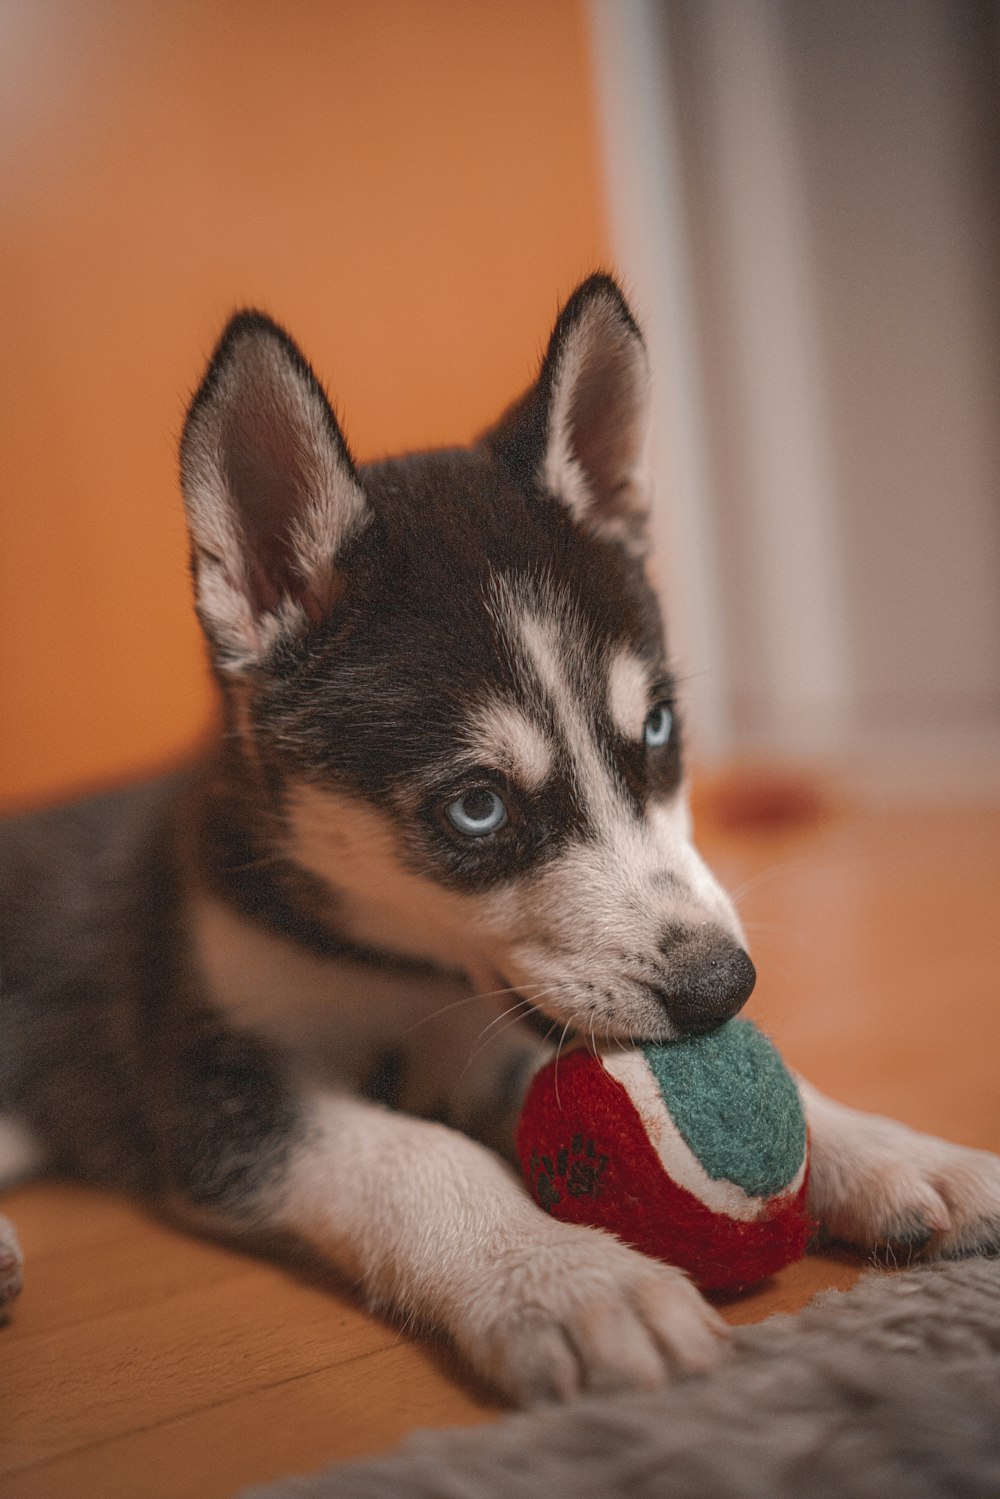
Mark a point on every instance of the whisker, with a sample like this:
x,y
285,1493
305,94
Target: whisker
x,y
464,999
524,1004
762,876
512,1020
775,928
468,999
518,1004
548,1033
555,1073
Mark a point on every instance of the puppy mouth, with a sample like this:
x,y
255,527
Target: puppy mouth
x,y
627,1031
554,1028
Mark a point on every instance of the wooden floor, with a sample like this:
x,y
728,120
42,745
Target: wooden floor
x,y
141,1362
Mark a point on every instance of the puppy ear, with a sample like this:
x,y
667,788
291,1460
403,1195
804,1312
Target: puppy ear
x,y
582,430
271,493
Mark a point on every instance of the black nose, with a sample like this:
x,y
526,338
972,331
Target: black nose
x,y
709,979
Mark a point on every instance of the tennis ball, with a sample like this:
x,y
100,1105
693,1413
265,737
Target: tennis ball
x,y
693,1151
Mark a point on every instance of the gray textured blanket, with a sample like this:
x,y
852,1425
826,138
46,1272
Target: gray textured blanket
x,y
890,1391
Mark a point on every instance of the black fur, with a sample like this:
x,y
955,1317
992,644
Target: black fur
x,y
110,1053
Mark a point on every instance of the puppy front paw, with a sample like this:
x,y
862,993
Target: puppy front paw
x,y
11,1263
576,1310
969,1183
901,1194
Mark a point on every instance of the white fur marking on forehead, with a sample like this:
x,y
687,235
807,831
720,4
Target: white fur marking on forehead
x,y
628,693
547,633
503,735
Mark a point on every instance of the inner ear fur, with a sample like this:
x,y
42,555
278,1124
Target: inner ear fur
x,y
271,492
580,433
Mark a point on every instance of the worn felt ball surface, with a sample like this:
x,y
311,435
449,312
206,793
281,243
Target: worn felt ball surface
x,y
693,1151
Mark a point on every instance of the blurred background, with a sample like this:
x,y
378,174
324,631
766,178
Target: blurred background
x,y
802,199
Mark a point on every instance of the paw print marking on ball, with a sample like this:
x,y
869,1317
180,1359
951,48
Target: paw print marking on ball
x,y
579,1168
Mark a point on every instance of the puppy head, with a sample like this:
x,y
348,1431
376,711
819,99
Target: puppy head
x,y
451,668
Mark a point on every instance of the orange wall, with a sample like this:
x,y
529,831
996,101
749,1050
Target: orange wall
x,y
410,185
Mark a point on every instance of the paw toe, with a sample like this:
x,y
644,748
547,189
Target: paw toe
x,y
616,1352
691,1333
543,1368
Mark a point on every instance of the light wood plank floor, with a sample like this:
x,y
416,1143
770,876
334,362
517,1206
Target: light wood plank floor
x,y
141,1362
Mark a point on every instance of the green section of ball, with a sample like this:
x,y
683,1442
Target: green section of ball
x,y
735,1104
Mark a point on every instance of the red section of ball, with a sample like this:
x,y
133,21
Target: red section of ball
x,y
587,1159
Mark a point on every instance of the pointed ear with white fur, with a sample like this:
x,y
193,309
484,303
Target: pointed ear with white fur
x,y
271,493
583,428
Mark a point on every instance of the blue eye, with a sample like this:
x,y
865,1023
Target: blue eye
x,y
477,813
657,728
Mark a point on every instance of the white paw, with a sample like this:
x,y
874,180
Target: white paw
x,y
11,1262
968,1183
894,1190
574,1310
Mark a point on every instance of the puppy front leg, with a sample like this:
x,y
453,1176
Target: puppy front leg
x,y
880,1185
432,1225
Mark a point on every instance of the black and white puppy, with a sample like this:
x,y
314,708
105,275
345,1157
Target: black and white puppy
x,y
280,993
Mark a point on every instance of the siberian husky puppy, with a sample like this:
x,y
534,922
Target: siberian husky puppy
x,y
266,994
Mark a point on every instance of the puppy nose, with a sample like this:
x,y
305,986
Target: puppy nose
x,y
710,979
